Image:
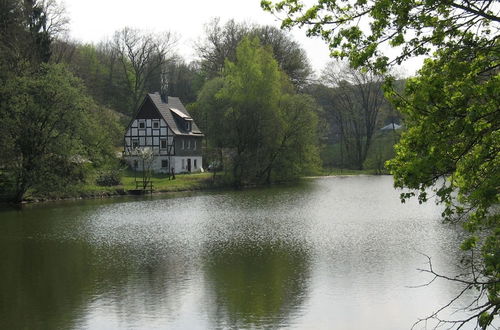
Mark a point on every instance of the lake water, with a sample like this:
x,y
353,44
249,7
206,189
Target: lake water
x,y
330,253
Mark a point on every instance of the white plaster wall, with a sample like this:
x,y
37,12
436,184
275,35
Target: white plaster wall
x,y
175,161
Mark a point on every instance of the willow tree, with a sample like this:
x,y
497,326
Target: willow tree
x,y
252,112
452,144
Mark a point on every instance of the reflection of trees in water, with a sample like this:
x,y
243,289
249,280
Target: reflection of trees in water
x,y
256,285
51,284
42,284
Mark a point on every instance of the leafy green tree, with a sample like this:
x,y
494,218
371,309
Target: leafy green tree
x,y
414,27
453,146
252,113
252,87
451,110
49,130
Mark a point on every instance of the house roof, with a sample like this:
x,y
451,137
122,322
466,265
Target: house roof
x,y
180,114
170,110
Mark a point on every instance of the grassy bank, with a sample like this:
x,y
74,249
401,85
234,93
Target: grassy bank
x,y
161,183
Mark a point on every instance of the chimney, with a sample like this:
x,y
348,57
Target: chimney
x,y
164,87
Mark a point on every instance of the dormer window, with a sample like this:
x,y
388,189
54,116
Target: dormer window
x,y
188,125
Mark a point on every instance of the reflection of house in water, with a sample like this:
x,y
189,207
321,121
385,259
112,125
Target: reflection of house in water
x,y
257,286
164,125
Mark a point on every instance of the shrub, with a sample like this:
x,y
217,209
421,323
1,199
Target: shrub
x,y
109,178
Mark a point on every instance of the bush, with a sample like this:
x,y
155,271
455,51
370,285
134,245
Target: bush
x,y
109,178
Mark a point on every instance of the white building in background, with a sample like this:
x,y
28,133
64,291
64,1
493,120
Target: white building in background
x,y
164,125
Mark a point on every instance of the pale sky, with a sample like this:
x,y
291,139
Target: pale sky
x,y
95,20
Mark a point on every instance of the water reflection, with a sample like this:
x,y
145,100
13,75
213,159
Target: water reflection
x,y
42,284
331,253
255,288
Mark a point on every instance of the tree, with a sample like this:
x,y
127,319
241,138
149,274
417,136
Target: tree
x,y
183,80
414,27
27,31
48,130
252,87
253,113
357,98
452,147
147,157
142,55
452,143
220,43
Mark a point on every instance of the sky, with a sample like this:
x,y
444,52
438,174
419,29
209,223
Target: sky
x,y
95,20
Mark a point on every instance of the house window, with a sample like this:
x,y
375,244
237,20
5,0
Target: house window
x,y
183,164
135,143
163,143
194,146
195,164
182,146
164,163
188,126
156,124
189,144
142,124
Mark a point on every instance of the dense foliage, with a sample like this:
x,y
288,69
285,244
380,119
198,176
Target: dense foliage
x,y
451,110
51,132
269,132
457,138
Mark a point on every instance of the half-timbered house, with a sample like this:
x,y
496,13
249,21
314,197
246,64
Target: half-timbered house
x,y
163,124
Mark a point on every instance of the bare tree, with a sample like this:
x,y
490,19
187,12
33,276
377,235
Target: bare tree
x,y
141,55
357,100
220,43
479,312
221,40
57,21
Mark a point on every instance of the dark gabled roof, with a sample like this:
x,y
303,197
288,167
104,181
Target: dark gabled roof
x,y
168,112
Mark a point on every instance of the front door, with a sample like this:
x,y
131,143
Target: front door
x,y
189,165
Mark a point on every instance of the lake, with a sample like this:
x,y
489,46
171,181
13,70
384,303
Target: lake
x,y
328,253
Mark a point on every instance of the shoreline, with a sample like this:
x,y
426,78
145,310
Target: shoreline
x,y
200,185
